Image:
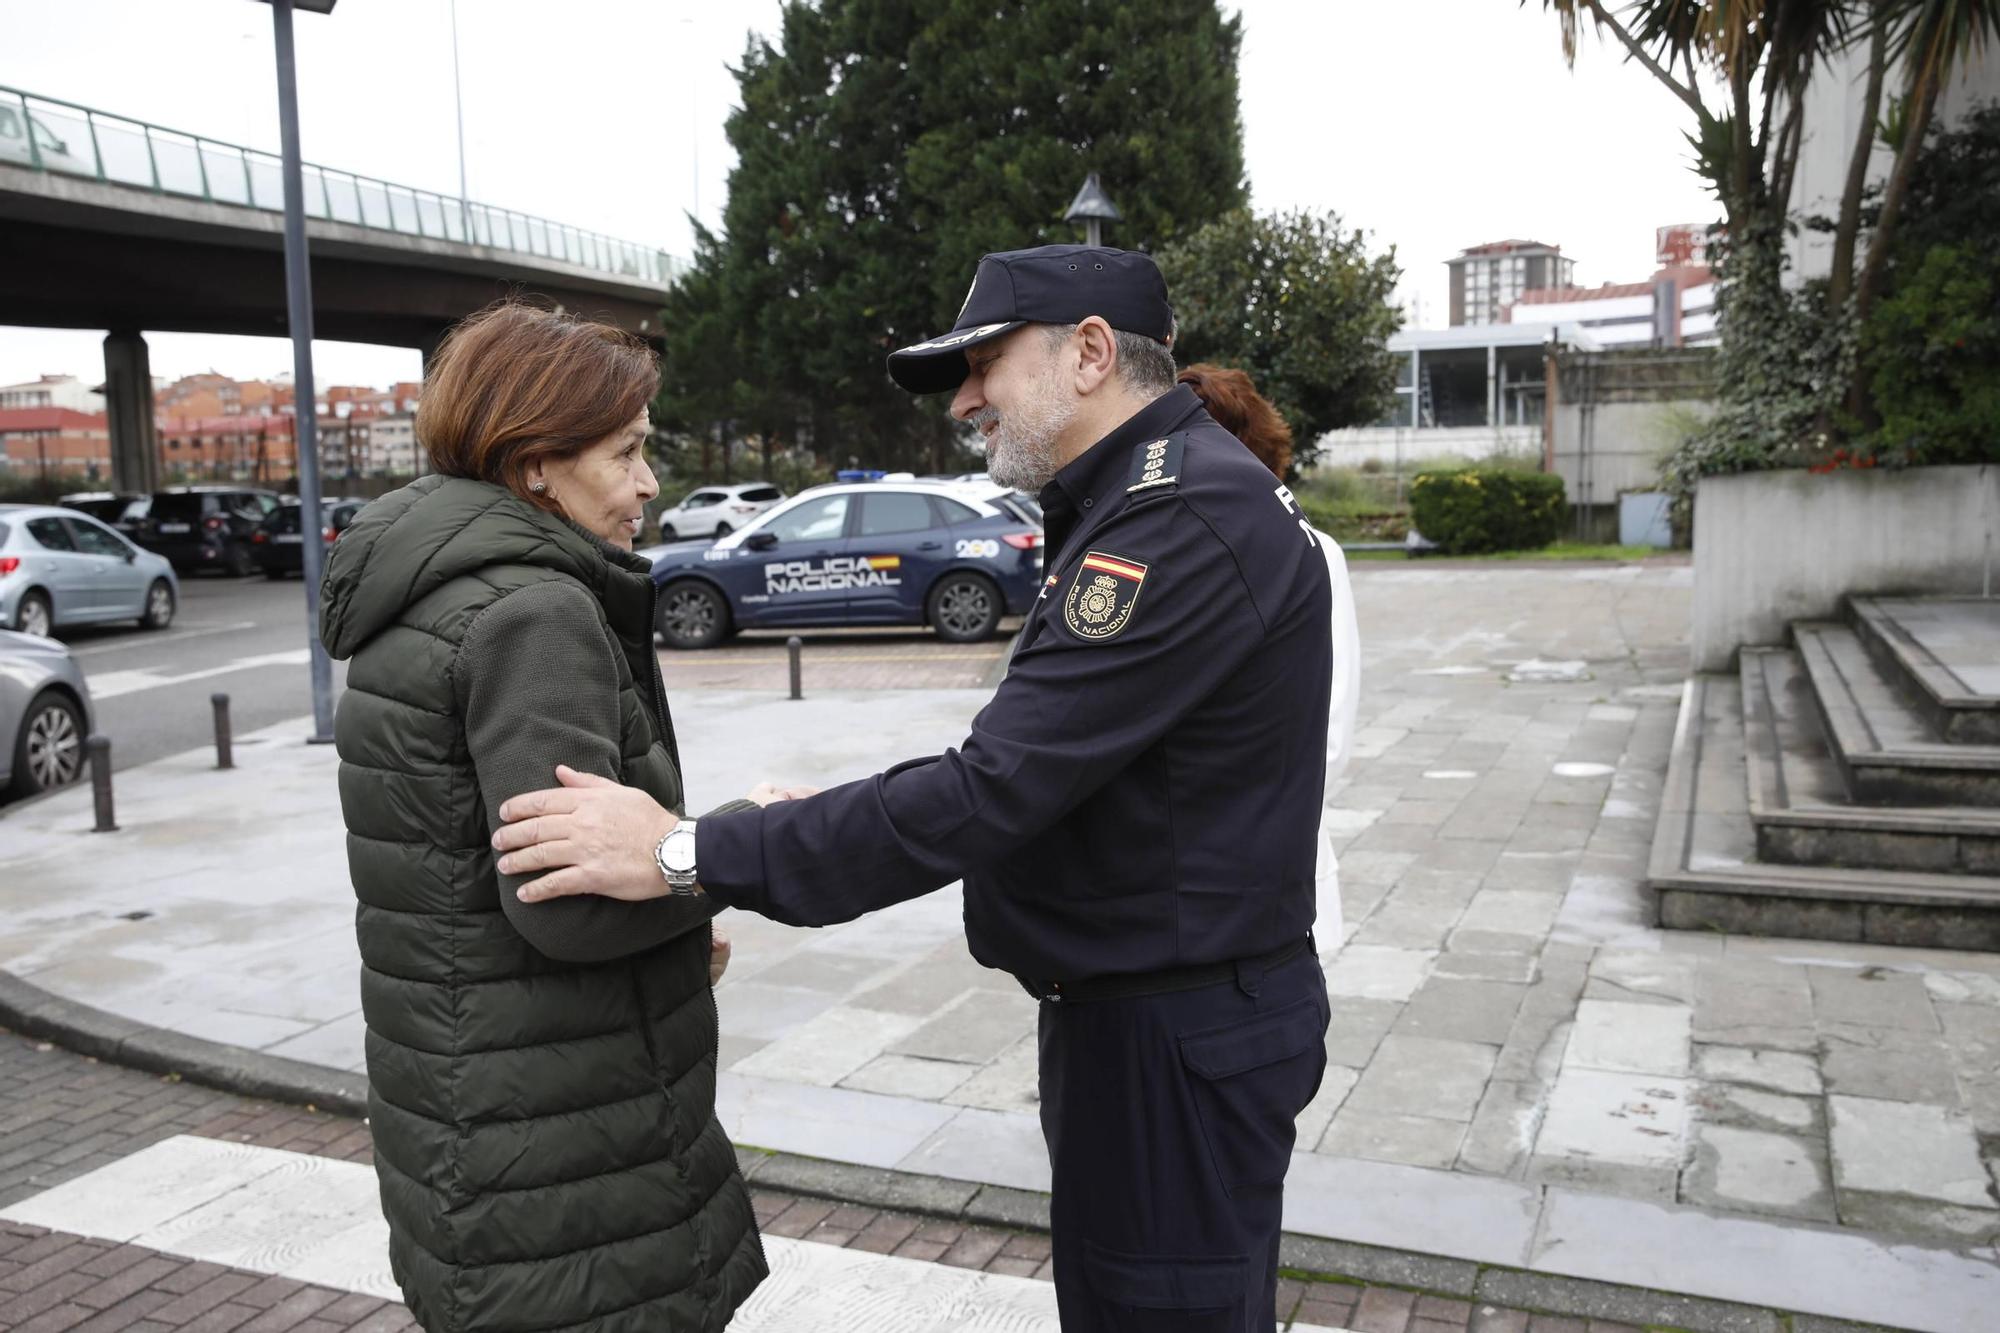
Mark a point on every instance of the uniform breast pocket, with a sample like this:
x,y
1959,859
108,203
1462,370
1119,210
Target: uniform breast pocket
x,y
1249,1082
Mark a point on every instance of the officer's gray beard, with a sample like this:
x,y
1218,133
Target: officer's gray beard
x,y
1021,452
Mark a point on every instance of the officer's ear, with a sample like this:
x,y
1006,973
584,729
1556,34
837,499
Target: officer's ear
x,y
1097,354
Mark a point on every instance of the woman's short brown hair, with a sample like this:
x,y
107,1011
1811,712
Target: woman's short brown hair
x,y
1235,403
515,383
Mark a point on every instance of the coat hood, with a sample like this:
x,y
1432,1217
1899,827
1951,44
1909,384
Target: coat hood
x,y
413,541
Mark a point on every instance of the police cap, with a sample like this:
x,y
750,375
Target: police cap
x,y
1050,284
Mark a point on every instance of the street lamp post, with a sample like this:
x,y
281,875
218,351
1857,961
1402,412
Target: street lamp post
x,y
1092,207
298,299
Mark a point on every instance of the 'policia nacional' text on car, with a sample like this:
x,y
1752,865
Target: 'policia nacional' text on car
x,y
954,557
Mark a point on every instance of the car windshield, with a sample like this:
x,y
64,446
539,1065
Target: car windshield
x,y
177,508
109,508
285,519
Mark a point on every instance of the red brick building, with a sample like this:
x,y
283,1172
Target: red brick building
x,y
250,447
54,441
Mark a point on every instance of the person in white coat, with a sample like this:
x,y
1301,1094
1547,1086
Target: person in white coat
x,y
1232,399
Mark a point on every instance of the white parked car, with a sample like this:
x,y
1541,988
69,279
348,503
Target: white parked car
x,y
60,567
717,511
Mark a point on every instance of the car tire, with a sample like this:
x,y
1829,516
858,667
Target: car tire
x,y
239,562
275,575
723,530
160,607
48,752
33,615
668,533
964,607
692,615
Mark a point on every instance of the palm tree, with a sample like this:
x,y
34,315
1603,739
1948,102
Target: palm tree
x,y
1762,54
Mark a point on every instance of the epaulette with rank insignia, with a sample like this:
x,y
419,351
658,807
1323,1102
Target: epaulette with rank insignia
x,y
1157,463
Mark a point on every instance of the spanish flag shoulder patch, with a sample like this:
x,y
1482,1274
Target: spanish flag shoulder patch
x,y
1103,595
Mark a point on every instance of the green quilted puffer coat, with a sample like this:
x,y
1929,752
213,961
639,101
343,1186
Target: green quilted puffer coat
x,y
542,1083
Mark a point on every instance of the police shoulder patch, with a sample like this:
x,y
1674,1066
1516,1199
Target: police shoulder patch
x,y
1157,463
1103,595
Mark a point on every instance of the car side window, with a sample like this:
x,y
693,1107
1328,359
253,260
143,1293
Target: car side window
x,y
760,494
51,533
886,512
93,540
813,521
955,513
702,500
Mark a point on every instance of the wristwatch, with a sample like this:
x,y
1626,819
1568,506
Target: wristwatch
x,y
674,854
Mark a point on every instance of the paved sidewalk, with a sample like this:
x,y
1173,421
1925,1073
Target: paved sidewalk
x,y
1524,1074
77,1133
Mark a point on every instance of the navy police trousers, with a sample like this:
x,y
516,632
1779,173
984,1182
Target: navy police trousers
x,y
1169,1121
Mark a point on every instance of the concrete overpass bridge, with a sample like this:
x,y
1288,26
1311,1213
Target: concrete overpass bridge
x,y
111,223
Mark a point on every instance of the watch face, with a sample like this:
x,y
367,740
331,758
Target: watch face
x,y
679,852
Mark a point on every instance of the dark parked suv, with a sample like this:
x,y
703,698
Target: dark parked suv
x,y
279,544
206,527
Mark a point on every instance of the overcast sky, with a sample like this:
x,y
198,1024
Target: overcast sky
x,y
1434,124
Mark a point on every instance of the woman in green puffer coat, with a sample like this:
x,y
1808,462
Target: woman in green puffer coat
x,y
542,1077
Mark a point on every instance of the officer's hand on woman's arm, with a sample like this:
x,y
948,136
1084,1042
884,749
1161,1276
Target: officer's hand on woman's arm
x,y
592,835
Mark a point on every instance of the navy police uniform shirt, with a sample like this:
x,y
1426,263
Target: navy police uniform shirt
x,y
1143,791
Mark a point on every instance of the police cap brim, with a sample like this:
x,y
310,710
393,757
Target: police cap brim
x,y
938,365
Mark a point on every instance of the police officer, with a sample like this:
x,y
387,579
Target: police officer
x,y
1134,813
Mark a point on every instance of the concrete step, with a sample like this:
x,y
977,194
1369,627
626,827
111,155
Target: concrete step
x,y
1945,653
1887,748
1799,801
1707,873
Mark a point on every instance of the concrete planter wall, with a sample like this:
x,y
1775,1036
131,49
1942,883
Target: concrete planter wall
x,y
1774,547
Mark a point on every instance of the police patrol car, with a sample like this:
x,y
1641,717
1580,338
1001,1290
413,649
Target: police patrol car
x,y
951,555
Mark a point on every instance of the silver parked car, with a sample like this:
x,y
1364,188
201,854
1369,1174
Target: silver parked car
x,y
44,715
717,511
59,567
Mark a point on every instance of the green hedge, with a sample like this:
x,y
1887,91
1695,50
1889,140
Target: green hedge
x,y
1467,511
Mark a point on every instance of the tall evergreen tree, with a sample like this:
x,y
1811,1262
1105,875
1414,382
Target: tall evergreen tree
x,y
884,145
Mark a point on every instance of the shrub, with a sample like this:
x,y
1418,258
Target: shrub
x,y
1934,345
1476,509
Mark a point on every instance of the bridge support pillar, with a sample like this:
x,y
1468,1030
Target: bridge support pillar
x,y
128,400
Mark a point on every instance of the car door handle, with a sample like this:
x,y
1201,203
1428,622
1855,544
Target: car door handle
x,y
930,546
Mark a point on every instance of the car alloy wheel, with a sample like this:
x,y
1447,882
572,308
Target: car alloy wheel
x,y
54,748
34,617
965,609
159,605
668,534
691,616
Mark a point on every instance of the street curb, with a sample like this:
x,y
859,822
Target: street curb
x,y
1459,1279
33,1012
29,1010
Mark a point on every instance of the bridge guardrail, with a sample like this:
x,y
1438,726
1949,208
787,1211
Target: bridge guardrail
x,y
47,134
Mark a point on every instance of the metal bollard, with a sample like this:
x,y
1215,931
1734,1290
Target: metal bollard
x,y
99,750
224,750
794,646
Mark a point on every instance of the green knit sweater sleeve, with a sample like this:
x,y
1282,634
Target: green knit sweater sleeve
x,y
537,679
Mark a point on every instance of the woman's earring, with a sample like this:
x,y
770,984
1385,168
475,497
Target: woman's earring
x,y
539,487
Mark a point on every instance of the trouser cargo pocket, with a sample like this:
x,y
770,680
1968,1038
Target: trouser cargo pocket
x,y
1249,1081
1141,1293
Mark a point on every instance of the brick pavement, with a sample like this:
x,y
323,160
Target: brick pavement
x,y
62,1115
